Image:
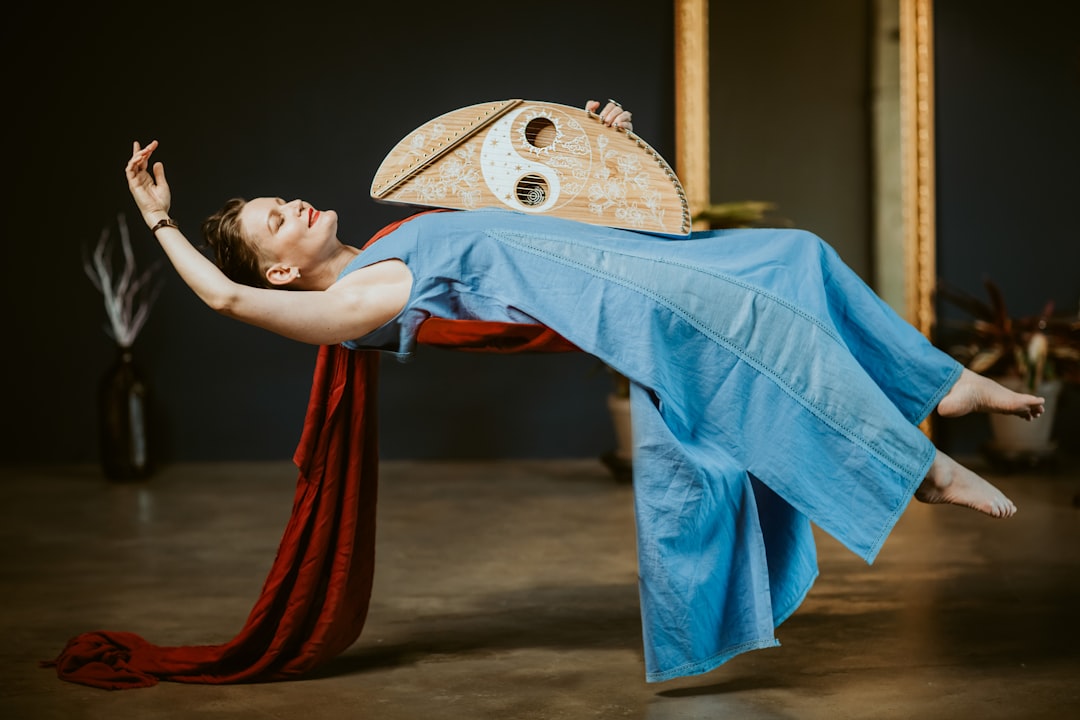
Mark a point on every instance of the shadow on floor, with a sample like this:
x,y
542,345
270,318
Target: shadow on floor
x,y
571,617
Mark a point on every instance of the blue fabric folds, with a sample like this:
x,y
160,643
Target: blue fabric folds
x,y
771,389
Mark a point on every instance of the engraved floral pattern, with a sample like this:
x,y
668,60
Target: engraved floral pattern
x,y
621,185
590,174
423,140
458,176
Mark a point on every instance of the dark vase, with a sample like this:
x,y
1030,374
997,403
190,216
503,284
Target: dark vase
x,y
124,436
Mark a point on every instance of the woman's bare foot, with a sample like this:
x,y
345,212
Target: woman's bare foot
x,y
975,393
950,482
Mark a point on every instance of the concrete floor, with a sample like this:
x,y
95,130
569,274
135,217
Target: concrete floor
x,y
507,590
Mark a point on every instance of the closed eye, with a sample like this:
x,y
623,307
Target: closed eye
x,y
276,219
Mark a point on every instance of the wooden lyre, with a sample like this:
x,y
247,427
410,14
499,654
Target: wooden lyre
x,y
535,157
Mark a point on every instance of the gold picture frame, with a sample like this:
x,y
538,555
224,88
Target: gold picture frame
x,y
916,83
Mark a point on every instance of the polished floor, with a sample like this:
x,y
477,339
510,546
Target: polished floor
x,y
507,590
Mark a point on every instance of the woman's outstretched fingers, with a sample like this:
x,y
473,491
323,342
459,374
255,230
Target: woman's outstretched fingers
x,y
147,185
140,156
613,114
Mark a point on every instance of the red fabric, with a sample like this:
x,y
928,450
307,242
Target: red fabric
x,y
482,336
315,598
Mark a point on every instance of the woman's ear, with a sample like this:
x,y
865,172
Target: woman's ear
x,y
280,275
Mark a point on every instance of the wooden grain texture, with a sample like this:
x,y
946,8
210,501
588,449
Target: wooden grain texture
x,y
692,101
535,157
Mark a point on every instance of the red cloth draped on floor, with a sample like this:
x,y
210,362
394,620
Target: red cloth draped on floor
x,y
315,599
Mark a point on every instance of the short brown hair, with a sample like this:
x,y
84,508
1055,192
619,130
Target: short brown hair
x,y
233,254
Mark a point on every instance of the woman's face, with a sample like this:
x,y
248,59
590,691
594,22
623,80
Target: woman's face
x,y
290,233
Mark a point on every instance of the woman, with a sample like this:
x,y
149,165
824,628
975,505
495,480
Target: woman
x,y
771,388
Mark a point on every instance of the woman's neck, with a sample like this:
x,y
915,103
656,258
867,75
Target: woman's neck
x,y
327,272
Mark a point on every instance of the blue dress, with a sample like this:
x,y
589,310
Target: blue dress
x,y
770,389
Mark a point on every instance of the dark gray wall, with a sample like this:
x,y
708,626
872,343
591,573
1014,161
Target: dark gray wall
x,y
791,115
305,99
1008,152
290,99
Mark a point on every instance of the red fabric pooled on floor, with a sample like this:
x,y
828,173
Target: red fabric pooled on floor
x,y
315,599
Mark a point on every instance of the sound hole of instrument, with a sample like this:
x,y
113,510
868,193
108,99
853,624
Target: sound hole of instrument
x,y
532,190
540,132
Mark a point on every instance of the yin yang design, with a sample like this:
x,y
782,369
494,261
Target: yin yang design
x,y
535,159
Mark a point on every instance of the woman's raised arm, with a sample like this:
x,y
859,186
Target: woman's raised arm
x,y
154,198
349,309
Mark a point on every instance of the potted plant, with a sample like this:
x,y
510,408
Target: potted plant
x,y
1037,354
739,214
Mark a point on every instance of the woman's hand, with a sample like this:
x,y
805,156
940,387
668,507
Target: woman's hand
x,y
151,192
613,114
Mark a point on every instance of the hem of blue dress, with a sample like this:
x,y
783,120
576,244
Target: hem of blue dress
x,y
793,606
401,357
700,667
703,666
939,395
909,492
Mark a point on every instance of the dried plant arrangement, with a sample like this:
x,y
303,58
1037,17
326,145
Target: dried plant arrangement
x,y
128,294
